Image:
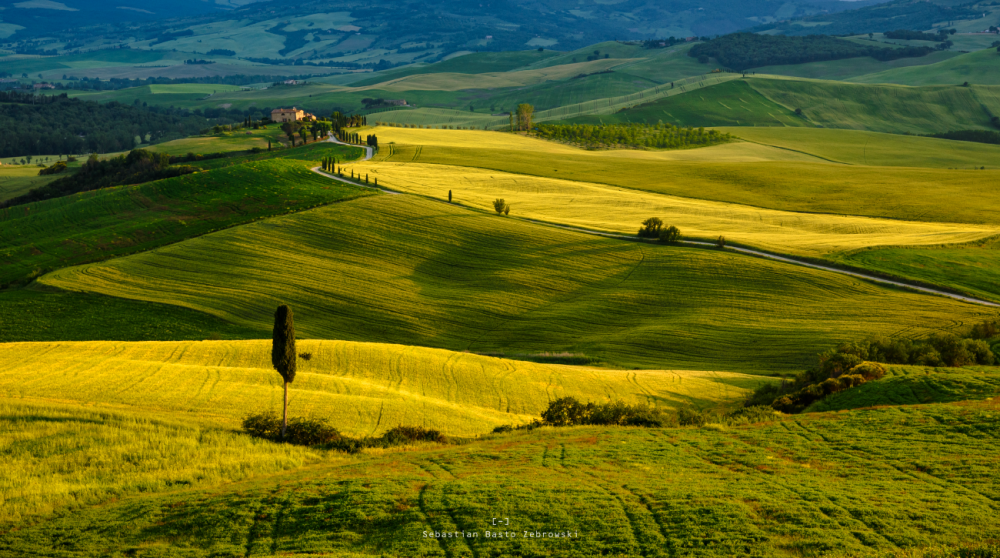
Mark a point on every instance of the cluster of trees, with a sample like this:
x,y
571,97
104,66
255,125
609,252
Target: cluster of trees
x,y
135,168
221,52
853,364
653,228
499,205
662,43
197,61
907,35
741,51
631,135
58,125
317,129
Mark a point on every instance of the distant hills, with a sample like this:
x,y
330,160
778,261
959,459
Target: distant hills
x,y
331,28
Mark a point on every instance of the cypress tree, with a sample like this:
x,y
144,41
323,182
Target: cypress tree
x,y
449,196
283,353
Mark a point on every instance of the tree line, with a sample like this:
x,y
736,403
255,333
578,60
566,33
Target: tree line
x,y
658,135
741,51
58,125
135,168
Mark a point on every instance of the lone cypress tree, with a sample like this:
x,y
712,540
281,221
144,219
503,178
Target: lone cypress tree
x,y
283,353
449,196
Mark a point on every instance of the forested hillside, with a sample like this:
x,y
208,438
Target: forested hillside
x,y
38,125
740,51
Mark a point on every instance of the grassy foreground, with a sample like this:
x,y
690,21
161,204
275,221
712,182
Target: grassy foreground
x,y
837,484
450,278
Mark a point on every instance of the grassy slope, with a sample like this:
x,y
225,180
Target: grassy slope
x,y
15,181
814,484
903,193
123,220
621,210
475,63
911,385
884,108
732,103
971,268
362,388
70,457
854,69
857,147
453,279
38,314
980,68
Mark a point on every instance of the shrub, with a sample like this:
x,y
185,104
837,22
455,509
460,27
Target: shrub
x,y
301,431
689,417
651,228
56,168
499,205
410,434
568,411
670,235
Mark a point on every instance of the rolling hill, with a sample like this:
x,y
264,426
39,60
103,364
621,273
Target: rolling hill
x,y
980,68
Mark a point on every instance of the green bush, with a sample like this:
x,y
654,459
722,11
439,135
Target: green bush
x,y
56,168
568,411
301,431
651,228
670,235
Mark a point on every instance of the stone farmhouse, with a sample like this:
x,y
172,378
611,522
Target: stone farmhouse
x,y
290,115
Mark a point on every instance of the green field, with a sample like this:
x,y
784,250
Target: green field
x,y
733,103
875,149
454,279
915,385
855,69
885,108
814,484
52,234
135,321
15,181
969,268
980,68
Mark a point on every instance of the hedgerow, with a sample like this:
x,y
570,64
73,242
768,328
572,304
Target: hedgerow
x,y
607,136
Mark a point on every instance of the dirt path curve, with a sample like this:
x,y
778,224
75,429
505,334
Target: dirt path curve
x,y
875,279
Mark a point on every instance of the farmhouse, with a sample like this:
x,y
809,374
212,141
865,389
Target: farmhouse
x,y
290,115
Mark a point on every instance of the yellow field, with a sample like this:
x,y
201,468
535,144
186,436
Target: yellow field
x,y
621,210
806,186
494,80
363,388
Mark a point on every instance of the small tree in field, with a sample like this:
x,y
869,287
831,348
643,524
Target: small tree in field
x,y
721,242
651,228
283,353
499,205
525,113
506,210
670,235
449,196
